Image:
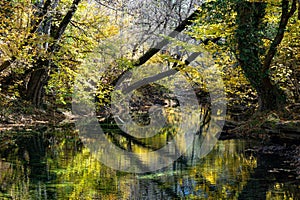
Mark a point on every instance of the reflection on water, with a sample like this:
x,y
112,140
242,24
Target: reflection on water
x,y
55,165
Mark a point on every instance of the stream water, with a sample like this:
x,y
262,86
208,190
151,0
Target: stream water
x,y
56,165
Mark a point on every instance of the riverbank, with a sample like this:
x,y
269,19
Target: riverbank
x,y
266,126
22,116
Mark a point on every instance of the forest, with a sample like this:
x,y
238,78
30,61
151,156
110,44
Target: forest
x,y
219,78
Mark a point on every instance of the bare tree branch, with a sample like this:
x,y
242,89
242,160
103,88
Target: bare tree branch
x,y
152,51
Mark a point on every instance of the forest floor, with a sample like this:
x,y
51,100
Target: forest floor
x,y
22,116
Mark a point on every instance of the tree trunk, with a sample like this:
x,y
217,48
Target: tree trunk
x,y
250,50
35,87
270,96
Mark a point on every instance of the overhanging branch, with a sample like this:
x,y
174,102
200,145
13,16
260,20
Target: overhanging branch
x,y
169,72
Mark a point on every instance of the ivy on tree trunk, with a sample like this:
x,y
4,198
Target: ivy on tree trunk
x,y
250,23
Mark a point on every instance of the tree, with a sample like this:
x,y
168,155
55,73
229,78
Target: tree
x,y
39,25
249,34
43,46
40,75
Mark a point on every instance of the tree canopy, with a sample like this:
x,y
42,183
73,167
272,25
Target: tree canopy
x,y
43,44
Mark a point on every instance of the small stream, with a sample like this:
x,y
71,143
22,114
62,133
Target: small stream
x,y
56,165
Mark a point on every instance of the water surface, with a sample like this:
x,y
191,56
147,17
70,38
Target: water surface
x,y
56,165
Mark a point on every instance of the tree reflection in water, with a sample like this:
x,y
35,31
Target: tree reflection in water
x,y
55,165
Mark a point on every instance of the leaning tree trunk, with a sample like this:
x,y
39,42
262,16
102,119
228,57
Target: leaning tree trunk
x,y
250,49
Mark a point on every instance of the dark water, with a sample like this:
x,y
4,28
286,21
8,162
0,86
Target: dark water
x,y
56,165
